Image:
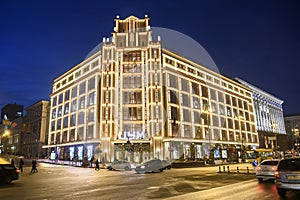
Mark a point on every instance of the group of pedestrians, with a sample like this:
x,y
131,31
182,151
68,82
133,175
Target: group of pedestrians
x,y
21,165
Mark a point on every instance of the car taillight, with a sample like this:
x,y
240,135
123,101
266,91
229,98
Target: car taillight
x,y
258,167
18,171
277,174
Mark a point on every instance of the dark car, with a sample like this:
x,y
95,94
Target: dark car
x,y
287,175
150,166
8,173
166,164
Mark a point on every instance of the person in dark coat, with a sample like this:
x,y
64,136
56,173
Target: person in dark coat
x,y
91,161
21,164
34,167
97,165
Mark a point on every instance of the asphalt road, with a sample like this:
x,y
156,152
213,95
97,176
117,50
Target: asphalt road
x,y
65,182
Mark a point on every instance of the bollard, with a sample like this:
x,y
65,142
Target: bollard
x,y
248,170
224,168
237,169
228,169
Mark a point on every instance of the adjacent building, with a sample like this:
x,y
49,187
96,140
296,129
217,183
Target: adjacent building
x,y
26,135
135,99
292,124
10,128
11,112
269,118
35,130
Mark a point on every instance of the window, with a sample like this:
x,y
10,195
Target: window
x,y
92,83
174,113
74,92
185,100
185,85
196,117
65,136
91,100
73,120
228,99
59,111
82,88
213,94
221,97
58,127
173,97
81,118
204,91
67,95
67,108
172,81
82,102
53,126
54,101
187,131
74,105
60,98
186,115
195,88
91,116
90,133
66,122
195,101
80,134
54,113
72,135
132,97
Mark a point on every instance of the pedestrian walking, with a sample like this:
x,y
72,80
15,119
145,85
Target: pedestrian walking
x,y
92,160
21,164
97,165
12,162
34,167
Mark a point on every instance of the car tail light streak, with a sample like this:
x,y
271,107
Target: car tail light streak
x,y
277,174
274,168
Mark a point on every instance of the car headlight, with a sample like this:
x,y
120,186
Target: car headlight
x,y
143,167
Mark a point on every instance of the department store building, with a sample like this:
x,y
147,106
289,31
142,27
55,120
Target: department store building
x,y
134,99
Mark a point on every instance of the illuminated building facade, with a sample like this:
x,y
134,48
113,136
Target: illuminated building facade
x,y
292,125
133,99
269,118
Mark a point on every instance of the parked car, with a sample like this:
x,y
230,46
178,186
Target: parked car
x,y
166,164
150,166
119,165
8,173
287,175
266,169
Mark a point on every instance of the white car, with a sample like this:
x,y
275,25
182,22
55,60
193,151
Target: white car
x,y
120,165
266,169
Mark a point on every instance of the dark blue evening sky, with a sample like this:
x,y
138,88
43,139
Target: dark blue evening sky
x,y
256,40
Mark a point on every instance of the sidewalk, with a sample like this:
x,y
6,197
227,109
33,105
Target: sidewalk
x,y
69,163
243,168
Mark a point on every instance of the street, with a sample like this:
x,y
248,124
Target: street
x,y
66,182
